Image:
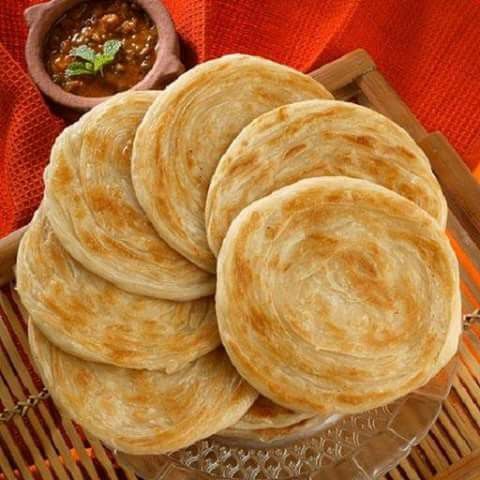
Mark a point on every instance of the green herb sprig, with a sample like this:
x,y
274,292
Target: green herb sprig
x,y
93,61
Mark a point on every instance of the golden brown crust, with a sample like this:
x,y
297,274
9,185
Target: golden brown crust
x,y
91,318
312,139
337,295
92,207
144,412
187,129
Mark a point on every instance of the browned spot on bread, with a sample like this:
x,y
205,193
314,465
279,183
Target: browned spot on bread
x,y
63,174
164,210
57,258
429,249
83,378
294,151
360,263
190,159
253,223
267,96
414,192
98,145
108,295
401,152
65,306
259,321
347,373
333,329
57,310
362,140
161,251
111,204
78,308
120,249
364,277
242,162
265,408
139,398
293,205
322,242
290,131
282,114
91,242
244,274
334,197
121,355
264,124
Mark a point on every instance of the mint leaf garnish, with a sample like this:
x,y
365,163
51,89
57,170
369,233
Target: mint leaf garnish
x,y
84,52
94,62
79,68
111,47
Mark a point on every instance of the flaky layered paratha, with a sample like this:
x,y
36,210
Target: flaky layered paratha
x,y
337,295
265,414
144,412
312,139
189,127
90,317
92,207
278,436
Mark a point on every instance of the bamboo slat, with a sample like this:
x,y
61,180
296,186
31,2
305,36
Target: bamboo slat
x,y
466,469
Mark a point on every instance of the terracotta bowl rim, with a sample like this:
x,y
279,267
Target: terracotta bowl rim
x,y
41,17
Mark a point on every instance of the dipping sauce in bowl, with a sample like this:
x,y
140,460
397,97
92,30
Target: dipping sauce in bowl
x,y
99,48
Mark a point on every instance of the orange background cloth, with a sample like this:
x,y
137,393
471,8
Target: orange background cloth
x,y
428,49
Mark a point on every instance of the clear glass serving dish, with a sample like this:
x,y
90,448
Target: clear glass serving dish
x,y
362,447
358,446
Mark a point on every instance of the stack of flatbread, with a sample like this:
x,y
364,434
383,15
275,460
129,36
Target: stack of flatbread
x,y
317,224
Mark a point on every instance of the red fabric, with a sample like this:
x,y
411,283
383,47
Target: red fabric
x,y
429,50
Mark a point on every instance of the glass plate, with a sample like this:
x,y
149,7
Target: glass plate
x,y
360,446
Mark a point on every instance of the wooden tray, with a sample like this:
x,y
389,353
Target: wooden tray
x,y
57,449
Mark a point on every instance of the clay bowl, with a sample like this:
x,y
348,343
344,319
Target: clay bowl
x,y
40,19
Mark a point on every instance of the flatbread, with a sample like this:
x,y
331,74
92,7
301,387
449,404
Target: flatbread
x,y
92,207
90,317
189,127
336,295
312,139
139,411
280,436
265,414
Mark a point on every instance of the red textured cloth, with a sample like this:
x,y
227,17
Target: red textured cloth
x,y
428,49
